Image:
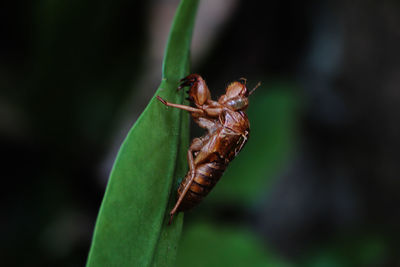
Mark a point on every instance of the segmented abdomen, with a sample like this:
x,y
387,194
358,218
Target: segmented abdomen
x,y
206,176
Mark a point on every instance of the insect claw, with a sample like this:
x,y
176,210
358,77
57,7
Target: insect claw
x,y
184,84
162,100
187,81
170,218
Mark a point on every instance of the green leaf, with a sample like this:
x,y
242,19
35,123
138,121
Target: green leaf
x,y
131,228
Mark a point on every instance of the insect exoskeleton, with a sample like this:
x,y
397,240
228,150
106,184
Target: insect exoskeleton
x,y
227,129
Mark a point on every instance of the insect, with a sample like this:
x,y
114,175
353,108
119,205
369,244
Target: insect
x,y
227,128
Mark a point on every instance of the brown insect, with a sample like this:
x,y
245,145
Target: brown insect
x,y
227,132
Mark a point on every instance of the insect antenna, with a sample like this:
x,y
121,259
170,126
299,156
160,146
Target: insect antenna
x,y
255,87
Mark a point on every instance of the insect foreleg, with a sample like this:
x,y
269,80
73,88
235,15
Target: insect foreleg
x,y
198,91
184,107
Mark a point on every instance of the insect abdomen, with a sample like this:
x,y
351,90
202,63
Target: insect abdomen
x,y
206,176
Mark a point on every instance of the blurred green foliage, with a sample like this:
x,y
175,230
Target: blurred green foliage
x,y
205,244
356,249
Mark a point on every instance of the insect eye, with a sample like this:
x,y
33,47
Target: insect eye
x,y
243,81
237,103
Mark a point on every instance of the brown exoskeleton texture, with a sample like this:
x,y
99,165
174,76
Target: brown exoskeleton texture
x,y
227,132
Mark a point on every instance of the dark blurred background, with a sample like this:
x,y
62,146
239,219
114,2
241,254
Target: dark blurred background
x,y
317,184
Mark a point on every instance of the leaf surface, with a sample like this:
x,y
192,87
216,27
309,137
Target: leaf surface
x,y
131,228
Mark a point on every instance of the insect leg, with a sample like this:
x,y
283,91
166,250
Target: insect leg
x,y
245,137
184,107
198,92
187,186
189,80
214,112
195,146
